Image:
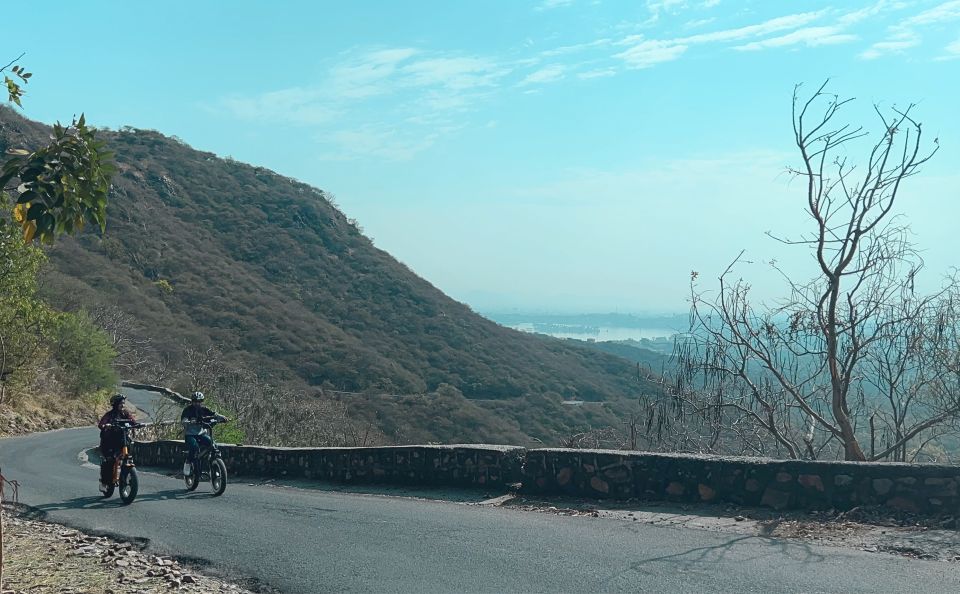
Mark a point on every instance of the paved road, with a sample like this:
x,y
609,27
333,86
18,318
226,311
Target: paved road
x,y
299,540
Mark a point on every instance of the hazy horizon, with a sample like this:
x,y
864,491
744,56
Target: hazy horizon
x,y
563,155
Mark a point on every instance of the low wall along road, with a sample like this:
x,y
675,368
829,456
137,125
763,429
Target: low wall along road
x,y
779,484
449,465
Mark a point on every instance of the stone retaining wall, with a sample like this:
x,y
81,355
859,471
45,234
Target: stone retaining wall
x,y
749,481
612,474
451,465
159,389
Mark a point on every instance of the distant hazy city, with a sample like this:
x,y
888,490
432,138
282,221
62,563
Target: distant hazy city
x,y
652,332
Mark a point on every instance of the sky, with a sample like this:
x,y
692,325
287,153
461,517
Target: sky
x,y
552,156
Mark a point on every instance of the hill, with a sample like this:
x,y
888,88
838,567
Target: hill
x,y
208,251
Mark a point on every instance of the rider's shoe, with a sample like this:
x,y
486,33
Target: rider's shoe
x,y
103,488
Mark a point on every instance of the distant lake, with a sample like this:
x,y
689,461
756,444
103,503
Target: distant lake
x,y
598,333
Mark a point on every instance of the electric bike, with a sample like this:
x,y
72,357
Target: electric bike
x,y
124,475
209,464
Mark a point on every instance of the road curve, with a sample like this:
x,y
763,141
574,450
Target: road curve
x,y
299,540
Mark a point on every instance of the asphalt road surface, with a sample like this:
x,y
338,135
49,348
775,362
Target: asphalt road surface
x,y
303,540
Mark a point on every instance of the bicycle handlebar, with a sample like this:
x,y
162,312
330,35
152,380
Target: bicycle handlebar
x,y
206,421
127,424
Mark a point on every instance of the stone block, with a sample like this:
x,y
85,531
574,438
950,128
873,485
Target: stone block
x,y
706,493
775,498
882,486
676,489
903,504
599,485
811,481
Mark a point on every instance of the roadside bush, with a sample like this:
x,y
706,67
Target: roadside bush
x,y
84,354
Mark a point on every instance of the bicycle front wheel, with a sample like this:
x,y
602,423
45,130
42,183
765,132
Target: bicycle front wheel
x,y
129,485
218,476
193,479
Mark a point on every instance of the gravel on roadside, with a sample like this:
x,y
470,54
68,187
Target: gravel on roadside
x,y
40,557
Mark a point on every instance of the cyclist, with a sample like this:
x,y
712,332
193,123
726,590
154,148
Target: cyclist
x,y
111,438
194,432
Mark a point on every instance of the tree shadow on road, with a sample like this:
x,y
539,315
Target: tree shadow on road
x,y
93,502
708,558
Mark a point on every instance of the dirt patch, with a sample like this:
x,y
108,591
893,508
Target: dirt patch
x,y
874,529
40,557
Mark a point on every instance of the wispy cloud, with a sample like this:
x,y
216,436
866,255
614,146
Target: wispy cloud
x,y
456,74
551,4
952,51
774,25
697,23
428,94
892,45
597,73
577,47
658,6
369,74
809,36
644,53
388,143
945,11
547,74
427,91
872,10
908,32
293,106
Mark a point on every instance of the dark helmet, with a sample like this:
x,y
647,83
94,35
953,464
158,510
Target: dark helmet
x,y
117,399
196,397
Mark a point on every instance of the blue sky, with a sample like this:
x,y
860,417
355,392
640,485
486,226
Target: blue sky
x,y
554,155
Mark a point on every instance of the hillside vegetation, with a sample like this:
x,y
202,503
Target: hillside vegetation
x,y
205,251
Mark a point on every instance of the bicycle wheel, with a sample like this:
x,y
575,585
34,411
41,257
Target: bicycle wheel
x,y
129,485
218,476
193,479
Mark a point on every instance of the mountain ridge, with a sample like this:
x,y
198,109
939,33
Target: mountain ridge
x,y
208,251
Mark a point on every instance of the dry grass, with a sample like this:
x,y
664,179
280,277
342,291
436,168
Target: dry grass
x,y
43,412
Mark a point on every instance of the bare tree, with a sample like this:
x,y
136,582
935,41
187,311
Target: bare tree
x,y
271,414
159,368
607,438
202,368
855,341
126,337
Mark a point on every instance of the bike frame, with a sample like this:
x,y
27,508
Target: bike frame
x,y
207,453
124,459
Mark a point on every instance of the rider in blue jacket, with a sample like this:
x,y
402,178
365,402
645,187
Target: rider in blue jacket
x,y
194,432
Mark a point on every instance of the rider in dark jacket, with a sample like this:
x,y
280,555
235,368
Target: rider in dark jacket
x,y
111,438
194,433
